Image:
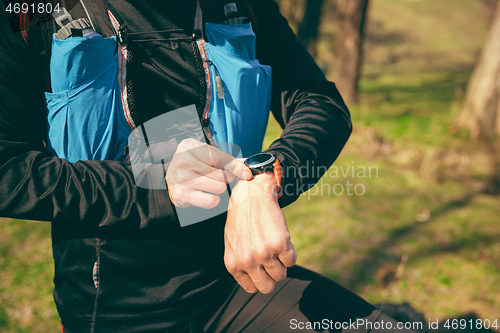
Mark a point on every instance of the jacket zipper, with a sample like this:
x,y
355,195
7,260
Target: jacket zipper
x,y
204,71
121,32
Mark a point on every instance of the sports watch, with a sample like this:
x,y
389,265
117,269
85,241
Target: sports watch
x,y
262,162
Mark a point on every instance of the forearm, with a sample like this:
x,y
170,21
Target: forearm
x,y
257,241
312,138
88,195
316,123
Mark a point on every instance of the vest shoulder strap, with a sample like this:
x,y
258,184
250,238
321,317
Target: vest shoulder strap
x,y
39,38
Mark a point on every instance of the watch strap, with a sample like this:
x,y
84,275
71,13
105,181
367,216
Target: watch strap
x,y
278,173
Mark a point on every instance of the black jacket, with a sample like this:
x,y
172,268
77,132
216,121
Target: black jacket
x,y
152,273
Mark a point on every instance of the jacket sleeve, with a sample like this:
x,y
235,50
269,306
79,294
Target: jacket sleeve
x,y
316,123
37,186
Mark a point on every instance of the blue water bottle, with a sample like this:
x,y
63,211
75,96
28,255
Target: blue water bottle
x,y
73,28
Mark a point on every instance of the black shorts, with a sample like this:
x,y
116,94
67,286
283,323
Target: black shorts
x,y
304,302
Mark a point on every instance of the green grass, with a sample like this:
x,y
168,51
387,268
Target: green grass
x,y
418,58
359,241
26,272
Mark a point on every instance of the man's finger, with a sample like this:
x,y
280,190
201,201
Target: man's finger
x,y
239,169
275,269
289,257
246,283
209,185
262,280
218,159
215,174
203,199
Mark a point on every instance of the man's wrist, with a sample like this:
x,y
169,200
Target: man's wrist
x,y
260,187
263,162
264,184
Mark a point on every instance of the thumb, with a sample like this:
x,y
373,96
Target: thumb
x,y
239,169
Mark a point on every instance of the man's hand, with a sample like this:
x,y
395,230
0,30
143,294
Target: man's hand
x,y
257,241
196,174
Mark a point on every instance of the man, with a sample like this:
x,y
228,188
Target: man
x,y
122,261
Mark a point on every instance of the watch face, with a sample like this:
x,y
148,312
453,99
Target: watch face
x,y
259,160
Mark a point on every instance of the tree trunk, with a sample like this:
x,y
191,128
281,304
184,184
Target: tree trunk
x,y
349,49
308,28
481,111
